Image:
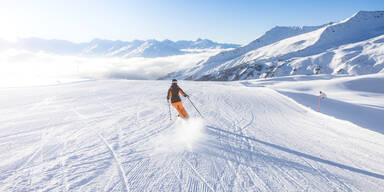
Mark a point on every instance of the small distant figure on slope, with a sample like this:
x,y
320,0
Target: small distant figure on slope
x,y
322,95
173,94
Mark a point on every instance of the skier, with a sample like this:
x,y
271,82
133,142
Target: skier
x,y
173,94
322,95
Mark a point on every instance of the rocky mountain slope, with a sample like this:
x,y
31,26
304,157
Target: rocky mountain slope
x,y
352,46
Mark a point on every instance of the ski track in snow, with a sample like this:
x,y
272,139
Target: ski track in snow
x,y
115,135
117,161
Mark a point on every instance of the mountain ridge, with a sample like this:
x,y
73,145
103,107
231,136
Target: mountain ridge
x,y
108,48
316,50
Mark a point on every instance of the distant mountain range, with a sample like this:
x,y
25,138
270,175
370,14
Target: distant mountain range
x,y
352,46
101,47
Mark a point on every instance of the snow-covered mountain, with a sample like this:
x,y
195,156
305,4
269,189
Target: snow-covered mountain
x,y
101,47
352,46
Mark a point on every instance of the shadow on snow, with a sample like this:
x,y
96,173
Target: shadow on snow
x,y
369,117
250,154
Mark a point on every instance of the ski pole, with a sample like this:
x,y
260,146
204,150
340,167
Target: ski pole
x,y
319,103
169,107
195,107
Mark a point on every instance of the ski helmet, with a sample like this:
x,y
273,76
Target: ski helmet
x,y
174,81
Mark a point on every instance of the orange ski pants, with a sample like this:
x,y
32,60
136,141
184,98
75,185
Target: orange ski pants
x,y
179,107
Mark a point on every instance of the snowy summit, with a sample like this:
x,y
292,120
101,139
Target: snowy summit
x,y
109,48
352,46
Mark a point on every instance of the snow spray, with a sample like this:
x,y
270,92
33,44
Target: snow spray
x,y
183,135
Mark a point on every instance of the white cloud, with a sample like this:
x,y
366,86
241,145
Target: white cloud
x,y
20,67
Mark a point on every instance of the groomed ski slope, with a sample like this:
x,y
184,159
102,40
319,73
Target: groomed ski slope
x,y
116,135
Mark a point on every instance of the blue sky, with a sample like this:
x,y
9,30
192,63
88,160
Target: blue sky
x,y
235,21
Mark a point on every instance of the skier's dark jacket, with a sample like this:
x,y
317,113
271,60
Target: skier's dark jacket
x,y
173,93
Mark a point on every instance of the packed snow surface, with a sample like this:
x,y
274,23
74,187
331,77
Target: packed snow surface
x,y
260,135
